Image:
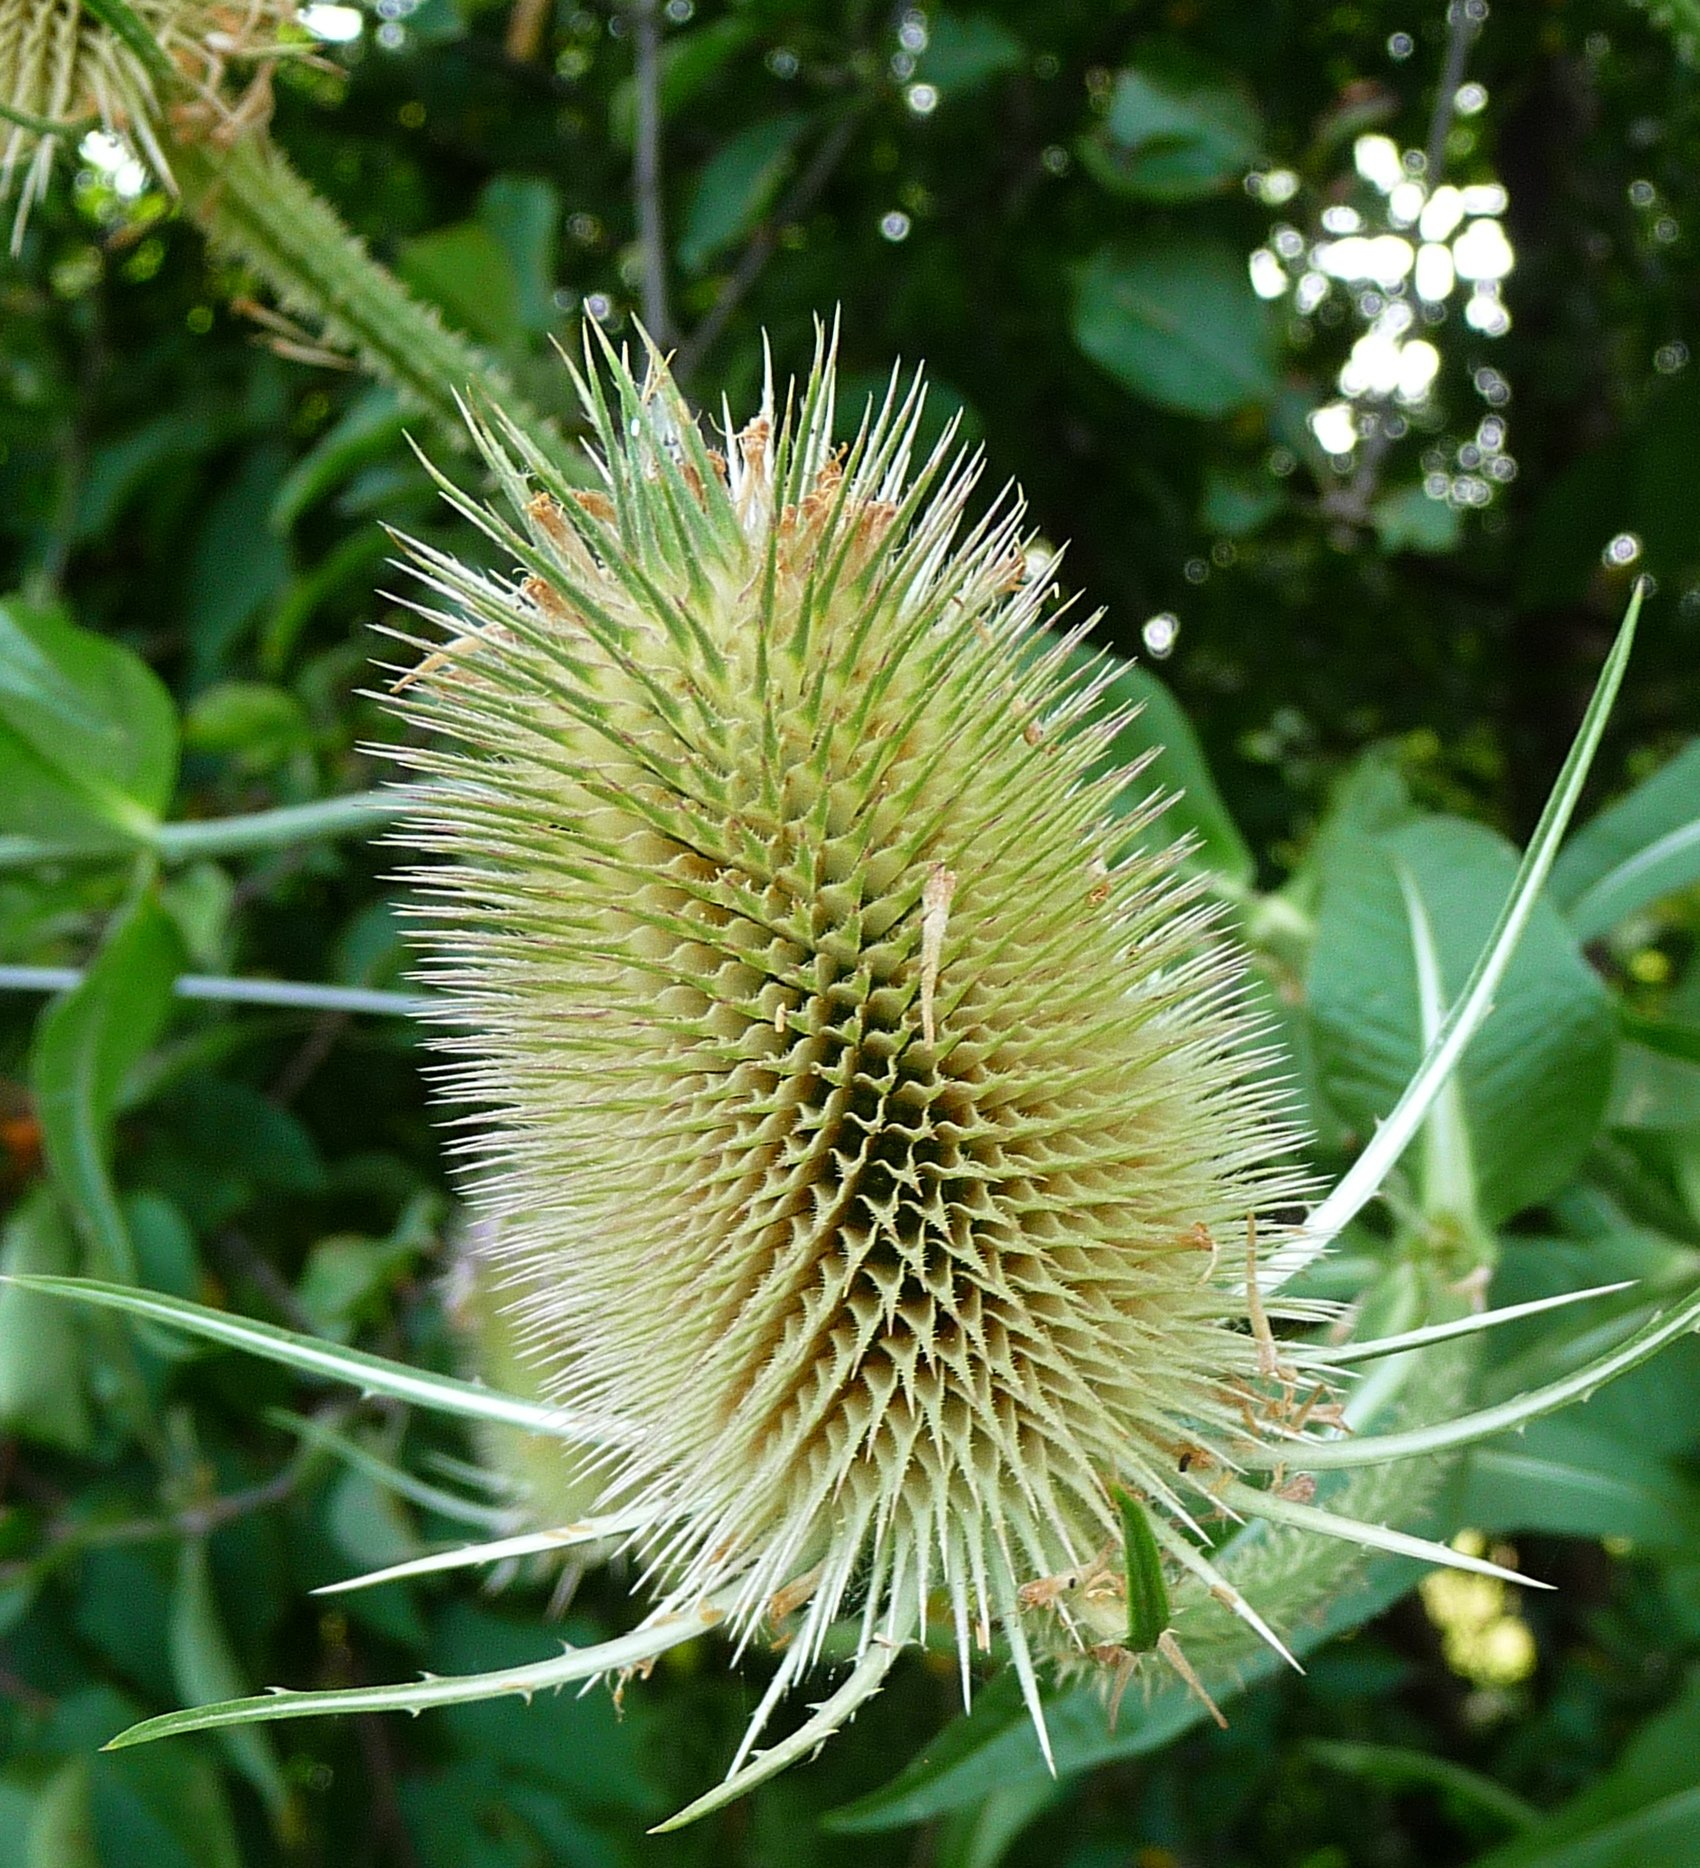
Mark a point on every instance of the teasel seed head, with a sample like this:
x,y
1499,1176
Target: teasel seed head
x,y
65,70
866,1103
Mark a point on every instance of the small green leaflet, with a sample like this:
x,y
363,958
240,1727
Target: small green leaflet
x,y
1147,1592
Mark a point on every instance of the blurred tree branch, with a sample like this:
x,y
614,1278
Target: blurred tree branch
x,y
646,169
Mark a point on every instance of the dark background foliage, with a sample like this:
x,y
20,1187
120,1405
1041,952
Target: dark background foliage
x,y
989,189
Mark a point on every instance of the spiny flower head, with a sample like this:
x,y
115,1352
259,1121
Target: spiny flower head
x,y
64,69
866,1102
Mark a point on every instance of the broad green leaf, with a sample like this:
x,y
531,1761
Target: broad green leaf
x,y
41,1361
524,213
1651,1407
1564,1478
1644,1811
163,1809
1173,136
88,733
737,186
1532,1087
965,51
1670,1037
86,1043
981,1837
1641,848
205,1669
1236,504
350,565
466,270
1177,322
1651,1089
18,1801
1178,767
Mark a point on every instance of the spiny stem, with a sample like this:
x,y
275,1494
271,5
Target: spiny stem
x,y
253,204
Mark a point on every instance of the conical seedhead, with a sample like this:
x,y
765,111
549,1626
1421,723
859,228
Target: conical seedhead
x,y
862,1098
64,69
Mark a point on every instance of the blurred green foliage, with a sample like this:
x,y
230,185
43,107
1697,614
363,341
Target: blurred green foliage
x,y
1382,654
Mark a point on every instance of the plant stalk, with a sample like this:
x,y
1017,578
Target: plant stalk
x,y
252,204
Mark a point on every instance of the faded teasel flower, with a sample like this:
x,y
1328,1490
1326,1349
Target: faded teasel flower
x,y
66,68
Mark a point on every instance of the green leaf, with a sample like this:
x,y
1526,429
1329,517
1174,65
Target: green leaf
x,y
238,564
1398,1767
1173,136
1178,767
61,1831
88,733
41,1362
965,51
1237,505
1533,1085
466,270
86,1043
737,186
1177,323
1408,520
689,62
1641,848
165,1809
371,428
981,1837
205,1669
1645,1810
1565,1478
524,214
257,725
1653,1090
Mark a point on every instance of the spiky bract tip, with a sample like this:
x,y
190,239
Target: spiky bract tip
x,y
868,1108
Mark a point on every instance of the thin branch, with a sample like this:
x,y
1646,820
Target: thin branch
x,y
759,251
291,995
645,17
